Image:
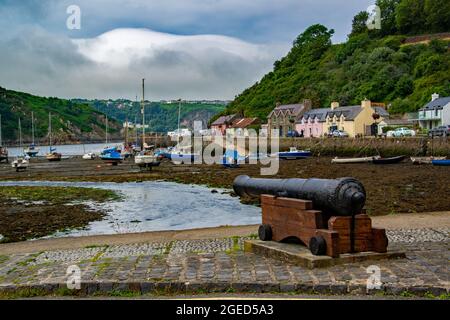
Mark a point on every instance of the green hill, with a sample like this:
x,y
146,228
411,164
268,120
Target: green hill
x,y
161,116
70,121
372,64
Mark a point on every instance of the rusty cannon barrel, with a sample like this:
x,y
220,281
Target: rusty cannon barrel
x,y
342,197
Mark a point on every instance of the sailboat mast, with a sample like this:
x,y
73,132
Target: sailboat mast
x,y
50,131
106,138
179,113
20,135
143,114
32,128
126,131
1,142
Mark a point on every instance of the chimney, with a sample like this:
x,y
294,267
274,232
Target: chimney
x,y
366,103
434,96
334,105
307,104
277,104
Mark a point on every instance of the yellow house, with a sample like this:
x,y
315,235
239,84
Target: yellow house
x,y
355,120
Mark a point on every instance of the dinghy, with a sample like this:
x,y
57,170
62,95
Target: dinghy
x,y
354,160
390,160
20,164
112,156
425,160
442,163
52,155
32,150
89,156
293,154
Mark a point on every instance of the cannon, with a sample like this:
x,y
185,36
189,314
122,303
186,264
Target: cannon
x,y
326,215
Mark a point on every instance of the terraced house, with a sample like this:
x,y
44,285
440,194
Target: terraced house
x,y
355,120
283,117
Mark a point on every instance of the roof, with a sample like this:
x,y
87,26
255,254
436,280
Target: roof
x,y
439,103
223,120
397,122
293,109
320,113
349,112
244,122
381,111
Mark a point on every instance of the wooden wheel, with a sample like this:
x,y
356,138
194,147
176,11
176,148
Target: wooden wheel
x,y
265,232
317,245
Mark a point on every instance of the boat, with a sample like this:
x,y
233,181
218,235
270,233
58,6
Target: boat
x,y
390,160
3,150
354,160
183,155
293,154
425,160
146,158
442,163
20,163
112,156
52,155
231,159
32,150
89,156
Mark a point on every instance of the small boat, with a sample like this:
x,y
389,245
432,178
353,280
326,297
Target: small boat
x,y
32,150
20,163
391,160
111,155
354,160
52,155
147,160
3,150
180,157
231,159
293,153
89,156
442,163
425,160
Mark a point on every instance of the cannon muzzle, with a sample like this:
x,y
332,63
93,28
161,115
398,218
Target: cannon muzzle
x,y
342,197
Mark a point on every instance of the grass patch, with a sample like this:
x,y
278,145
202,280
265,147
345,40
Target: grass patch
x,y
57,195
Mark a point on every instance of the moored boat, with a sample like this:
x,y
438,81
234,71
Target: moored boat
x,y
3,150
112,156
390,160
146,160
89,156
354,160
425,160
52,155
293,154
20,163
441,163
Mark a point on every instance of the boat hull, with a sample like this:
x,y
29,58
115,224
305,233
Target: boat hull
x,y
354,160
425,160
391,160
294,155
441,163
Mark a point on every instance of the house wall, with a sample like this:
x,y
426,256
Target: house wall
x,y
429,119
310,128
446,115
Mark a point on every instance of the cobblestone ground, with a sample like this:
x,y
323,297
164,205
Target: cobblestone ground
x,y
220,265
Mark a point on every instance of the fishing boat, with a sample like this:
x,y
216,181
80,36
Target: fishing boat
x,y
293,154
425,160
3,150
112,156
354,160
52,155
390,160
20,163
146,158
441,163
32,150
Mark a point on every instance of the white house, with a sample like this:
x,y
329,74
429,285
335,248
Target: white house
x,y
435,113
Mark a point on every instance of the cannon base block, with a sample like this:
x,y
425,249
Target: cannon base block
x,y
288,218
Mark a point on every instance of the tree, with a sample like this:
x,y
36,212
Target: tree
x,y
359,23
410,17
388,23
437,15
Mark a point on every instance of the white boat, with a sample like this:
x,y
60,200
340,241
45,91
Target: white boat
x,y
20,163
425,160
146,158
3,150
354,160
89,156
32,150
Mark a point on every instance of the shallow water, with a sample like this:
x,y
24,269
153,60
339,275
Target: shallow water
x,y
157,205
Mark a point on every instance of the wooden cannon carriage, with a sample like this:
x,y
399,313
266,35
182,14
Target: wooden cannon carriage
x,y
330,221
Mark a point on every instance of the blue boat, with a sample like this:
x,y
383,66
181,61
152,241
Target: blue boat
x,y
293,153
111,155
442,163
231,159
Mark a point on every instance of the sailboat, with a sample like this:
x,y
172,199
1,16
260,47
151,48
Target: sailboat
x,y
52,155
182,154
32,150
3,150
110,154
21,162
127,149
146,158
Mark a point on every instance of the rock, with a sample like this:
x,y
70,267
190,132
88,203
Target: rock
x,y
214,191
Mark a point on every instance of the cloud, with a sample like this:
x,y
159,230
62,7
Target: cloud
x,y
112,64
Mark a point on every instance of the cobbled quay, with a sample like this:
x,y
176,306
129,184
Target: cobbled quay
x,y
220,265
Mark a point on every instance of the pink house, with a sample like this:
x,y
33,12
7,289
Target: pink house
x,y
310,124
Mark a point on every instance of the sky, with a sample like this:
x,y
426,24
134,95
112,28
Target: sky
x,y
189,49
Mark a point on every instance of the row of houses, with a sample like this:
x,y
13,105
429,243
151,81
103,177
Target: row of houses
x,y
365,119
